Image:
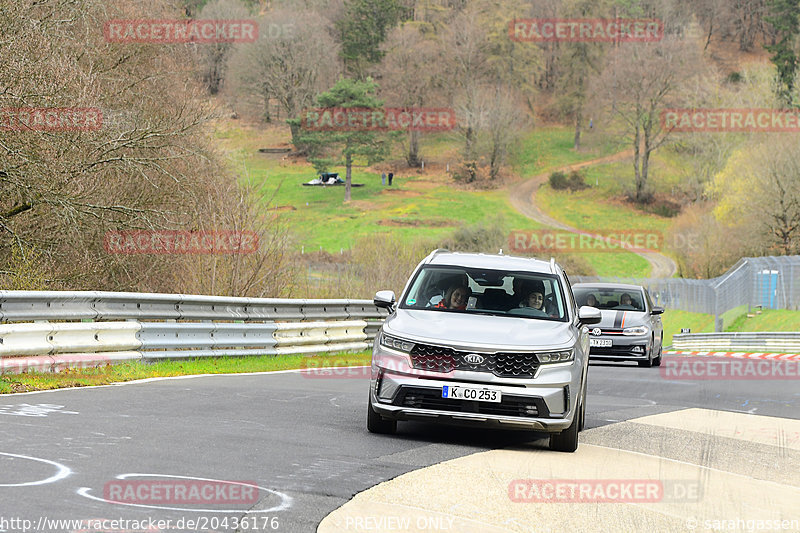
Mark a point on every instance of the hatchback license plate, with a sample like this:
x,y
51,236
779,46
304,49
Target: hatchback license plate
x,y
600,343
472,393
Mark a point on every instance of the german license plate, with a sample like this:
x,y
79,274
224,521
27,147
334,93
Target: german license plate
x,y
479,394
600,343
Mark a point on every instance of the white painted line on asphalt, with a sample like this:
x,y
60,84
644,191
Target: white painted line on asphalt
x,y
286,500
35,410
62,472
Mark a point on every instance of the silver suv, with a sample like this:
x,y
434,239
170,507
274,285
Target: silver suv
x,y
483,339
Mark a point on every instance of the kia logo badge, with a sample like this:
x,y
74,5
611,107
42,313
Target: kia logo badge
x,y
474,359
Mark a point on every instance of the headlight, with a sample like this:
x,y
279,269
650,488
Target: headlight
x,y
555,357
636,330
396,344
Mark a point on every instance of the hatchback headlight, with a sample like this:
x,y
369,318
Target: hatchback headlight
x,y
396,344
555,357
636,330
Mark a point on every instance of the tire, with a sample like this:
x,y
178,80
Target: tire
x,y
567,440
377,424
583,410
657,360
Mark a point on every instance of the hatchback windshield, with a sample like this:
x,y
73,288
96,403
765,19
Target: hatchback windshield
x,y
622,299
495,292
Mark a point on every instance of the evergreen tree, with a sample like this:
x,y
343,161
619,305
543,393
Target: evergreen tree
x,y
347,144
363,29
785,18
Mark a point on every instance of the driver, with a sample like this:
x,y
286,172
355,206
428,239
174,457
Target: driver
x,y
455,298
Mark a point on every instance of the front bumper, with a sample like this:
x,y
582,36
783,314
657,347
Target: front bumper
x,y
623,348
544,403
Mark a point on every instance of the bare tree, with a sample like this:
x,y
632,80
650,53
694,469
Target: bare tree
x,y
638,82
213,57
503,124
146,163
291,65
408,79
761,184
466,48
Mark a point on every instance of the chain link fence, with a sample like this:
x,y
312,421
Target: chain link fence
x,y
769,282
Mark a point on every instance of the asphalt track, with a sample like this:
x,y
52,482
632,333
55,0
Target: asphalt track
x,y
302,441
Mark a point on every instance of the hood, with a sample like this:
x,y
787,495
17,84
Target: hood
x,y
620,319
479,331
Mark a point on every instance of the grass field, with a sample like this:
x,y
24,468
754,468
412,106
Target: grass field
x,y
10,383
549,148
416,206
599,207
673,320
767,320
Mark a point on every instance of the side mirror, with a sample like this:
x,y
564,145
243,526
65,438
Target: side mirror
x,y
384,299
589,315
656,310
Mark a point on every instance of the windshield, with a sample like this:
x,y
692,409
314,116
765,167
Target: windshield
x,y
602,298
480,291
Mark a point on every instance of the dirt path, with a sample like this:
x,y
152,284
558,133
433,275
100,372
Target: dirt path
x,y
523,198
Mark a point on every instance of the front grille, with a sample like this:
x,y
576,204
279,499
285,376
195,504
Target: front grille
x,y
611,331
504,364
421,398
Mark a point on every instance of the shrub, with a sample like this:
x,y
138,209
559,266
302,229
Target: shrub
x,y
558,180
573,182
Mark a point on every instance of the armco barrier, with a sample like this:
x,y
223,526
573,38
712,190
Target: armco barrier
x,y
738,342
90,328
24,306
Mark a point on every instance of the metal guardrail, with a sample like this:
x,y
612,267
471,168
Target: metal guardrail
x,y
738,341
91,328
22,306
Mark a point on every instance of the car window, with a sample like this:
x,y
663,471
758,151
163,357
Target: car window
x,y
608,298
484,291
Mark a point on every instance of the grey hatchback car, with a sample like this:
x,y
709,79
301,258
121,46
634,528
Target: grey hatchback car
x,y
491,340
631,328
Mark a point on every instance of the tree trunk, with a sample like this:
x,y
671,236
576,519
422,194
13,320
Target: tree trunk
x,y
413,149
636,160
294,126
578,119
643,196
348,176
469,146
